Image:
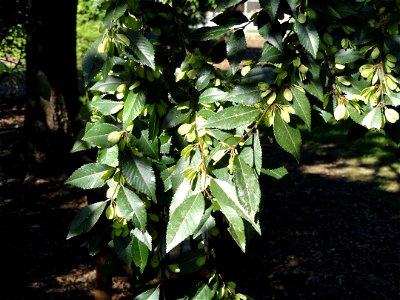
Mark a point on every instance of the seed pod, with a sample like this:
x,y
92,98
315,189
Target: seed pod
x,y
391,115
123,38
287,94
110,212
115,136
375,53
339,112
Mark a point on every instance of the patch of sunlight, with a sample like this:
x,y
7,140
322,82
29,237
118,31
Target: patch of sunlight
x,y
363,169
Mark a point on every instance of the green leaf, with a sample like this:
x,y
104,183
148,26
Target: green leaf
x,y
205,292
245,94
123,248
373,119
252,153
175,117
109,156
313,85
271,54
153,294
140,48
206,223
277,173
92,62
292,4
308,37
107,107
301,106
270,35
132,207
247,186
184,220
226,196
140,248
98,135
235,49
139,174
211,95
86,218
133,106
287,137
149,148
233,117
109,84
114,12
208,33
230,18
271,7
89,176
345,56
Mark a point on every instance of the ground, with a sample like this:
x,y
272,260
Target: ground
x,y
330,228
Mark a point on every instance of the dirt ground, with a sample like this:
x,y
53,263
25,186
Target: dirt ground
x,y
324,236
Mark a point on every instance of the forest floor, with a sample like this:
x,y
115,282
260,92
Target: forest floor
x,y
331,228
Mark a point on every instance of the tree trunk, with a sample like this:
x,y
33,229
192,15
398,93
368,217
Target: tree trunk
x,y
52,88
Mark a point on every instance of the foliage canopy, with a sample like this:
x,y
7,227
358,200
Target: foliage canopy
x,y
178,139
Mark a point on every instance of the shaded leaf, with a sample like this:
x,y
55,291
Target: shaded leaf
x,y
123,248
152,294
271,54
271,7
235,49
140,49
308,37
287,137
208,33
132,207
86,218
345,56
246,94
230,18
277,173
92,61
211,95
301,106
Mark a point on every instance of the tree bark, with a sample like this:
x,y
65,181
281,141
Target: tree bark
x,y
52,87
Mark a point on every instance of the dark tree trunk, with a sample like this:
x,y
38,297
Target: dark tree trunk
x,y
52,88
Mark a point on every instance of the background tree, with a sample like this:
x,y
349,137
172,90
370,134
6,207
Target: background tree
x,y
52,87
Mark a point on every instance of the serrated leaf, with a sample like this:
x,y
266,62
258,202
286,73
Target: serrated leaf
x,y
152,294
98,135
211,95
109,84
235,49
292,4
114,11
175,117
245,94
302,106
206,223
143,237
271,7
140,49
266,30
89,176
247,186
313,85
230,18
252,153
107,107
140,248
109,156
373,119
225,195
92,62
149,148
287,137
208,33
132,207
123,248
277,173
184,220
139,174
133,106
233,117
270,54
205,292
236,225
308,37
86,218
345,56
